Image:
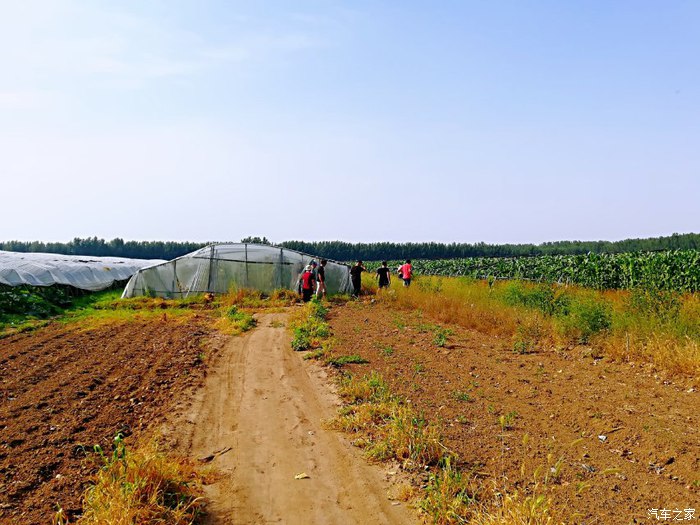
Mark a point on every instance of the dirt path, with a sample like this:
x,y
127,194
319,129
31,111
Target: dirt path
x,y
267,405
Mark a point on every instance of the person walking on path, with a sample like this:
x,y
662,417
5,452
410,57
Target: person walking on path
x,y
384,275
406,271
321,280
308,283
356,278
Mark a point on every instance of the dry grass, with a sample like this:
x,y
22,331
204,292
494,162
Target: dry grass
x,y
649,326
140,486
514,509
385,425
456,301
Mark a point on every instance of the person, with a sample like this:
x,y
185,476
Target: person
x,y
356,278
308,283
384,275
321,280
406,271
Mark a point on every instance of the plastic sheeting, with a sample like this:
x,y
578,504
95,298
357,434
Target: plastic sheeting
x,y
218,268
80,271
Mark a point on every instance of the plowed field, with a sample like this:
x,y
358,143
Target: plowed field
x,y
63,390
626,438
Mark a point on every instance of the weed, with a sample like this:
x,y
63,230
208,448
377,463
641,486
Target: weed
x,y
513,509
528,336
309,327
141,486
345,360
506,421
388,428
316,354
461,396
581,487
553,473
449,495
441,335
388,351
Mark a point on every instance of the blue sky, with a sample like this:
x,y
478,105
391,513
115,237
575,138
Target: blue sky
x,y
467,121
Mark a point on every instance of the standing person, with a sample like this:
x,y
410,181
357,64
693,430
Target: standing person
x,y
406,272
384,275
308,283
321,280
356,278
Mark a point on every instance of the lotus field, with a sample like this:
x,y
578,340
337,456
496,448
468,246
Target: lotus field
x,y
677,270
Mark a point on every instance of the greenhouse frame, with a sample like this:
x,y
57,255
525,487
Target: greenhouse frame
x,y
220,268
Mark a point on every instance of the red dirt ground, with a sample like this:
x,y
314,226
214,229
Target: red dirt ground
x,y
63,390
629,439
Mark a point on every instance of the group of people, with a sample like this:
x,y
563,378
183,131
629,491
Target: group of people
x,y
313,279
383,275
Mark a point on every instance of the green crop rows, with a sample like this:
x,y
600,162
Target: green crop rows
x,y
677,270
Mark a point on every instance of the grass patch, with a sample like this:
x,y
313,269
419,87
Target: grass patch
x,y
309,327
140,486
338,361
385,426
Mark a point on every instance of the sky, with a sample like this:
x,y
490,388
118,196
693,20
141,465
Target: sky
x,y
363,121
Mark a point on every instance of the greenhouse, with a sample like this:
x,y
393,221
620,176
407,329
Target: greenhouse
x,y
80,271
219,268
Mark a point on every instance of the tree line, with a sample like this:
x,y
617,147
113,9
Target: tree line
x,y
345,251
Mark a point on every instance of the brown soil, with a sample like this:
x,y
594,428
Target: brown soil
x,y
258,423
629,440
63,390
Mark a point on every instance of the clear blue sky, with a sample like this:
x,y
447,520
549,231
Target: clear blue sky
x,y
466,121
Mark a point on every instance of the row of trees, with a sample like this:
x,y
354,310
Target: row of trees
x,y
345,251
102,248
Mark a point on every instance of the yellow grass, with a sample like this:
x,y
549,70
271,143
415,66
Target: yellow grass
x,y
141,486
657,328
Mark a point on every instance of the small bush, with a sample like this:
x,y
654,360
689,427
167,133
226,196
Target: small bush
x,y
657,304
587,317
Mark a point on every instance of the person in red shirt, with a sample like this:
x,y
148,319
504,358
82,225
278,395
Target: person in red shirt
x,y
406,271
308,283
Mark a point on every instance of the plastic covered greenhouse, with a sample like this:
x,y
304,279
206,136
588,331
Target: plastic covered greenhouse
x,y
80,271
218,268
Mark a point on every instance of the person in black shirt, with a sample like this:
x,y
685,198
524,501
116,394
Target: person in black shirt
x,y
321,280
384,275
356,278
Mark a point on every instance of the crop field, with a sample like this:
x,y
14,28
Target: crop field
x,y
677,270
500,401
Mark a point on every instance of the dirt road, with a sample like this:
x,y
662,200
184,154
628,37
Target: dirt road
x,y
266,405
